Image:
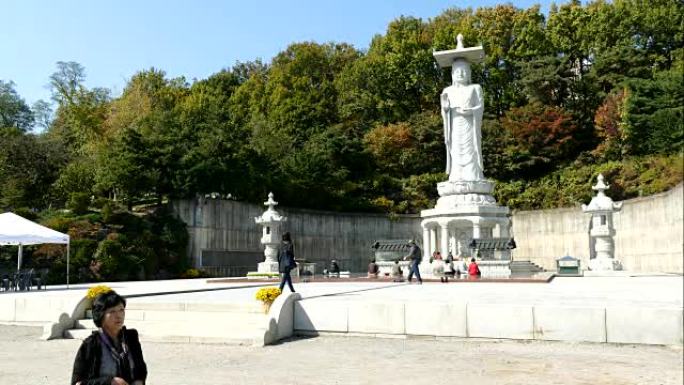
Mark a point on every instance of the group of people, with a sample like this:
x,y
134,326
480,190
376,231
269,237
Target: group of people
x,y
453,268
442,268
396,272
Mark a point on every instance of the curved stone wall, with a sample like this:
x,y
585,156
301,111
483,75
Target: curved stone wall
x,y
649,233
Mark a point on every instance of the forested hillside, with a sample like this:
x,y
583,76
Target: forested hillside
x,y
585,89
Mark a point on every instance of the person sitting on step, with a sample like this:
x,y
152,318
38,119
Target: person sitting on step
x,y
396,273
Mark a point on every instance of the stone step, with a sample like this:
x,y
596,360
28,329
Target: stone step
x,y
238,323
77,334
232,334
85,324
524,266
236,307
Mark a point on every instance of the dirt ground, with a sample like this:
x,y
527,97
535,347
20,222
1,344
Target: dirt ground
x,y
356,360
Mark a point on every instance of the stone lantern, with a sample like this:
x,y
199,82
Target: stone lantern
x,y
271,222
601,230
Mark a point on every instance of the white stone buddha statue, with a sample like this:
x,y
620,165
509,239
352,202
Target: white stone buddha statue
x,y
462,107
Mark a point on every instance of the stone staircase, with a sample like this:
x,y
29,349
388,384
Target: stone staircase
x,y
226,323
520,268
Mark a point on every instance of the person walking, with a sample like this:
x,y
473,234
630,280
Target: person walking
x,y
415,256
286,261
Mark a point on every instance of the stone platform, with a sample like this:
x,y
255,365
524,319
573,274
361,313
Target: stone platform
x,y
585,309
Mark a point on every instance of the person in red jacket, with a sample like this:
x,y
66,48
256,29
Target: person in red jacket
x,y
473,269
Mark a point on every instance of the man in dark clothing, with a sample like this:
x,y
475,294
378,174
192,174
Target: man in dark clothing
x,y
373,269
334,269
286,261
415,256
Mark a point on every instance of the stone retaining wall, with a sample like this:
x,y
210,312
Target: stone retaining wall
x,y
318,236
649,233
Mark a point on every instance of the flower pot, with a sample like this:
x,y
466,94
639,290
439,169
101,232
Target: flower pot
x,y
266,306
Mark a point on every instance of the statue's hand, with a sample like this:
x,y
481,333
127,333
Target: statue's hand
x,y
445,102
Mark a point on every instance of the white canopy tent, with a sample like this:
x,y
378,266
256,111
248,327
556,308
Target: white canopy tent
x,y
19,231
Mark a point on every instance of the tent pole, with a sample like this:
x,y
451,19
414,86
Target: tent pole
x,y
68,265
20,255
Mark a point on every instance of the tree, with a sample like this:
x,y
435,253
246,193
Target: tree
x,y
547,80
81,112
42,114
542,137
126,167
13,110
609,122
400,149
29,164
654,114
395,79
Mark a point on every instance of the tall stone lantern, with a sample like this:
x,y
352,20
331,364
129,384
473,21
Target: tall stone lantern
x,y
602,231
271,222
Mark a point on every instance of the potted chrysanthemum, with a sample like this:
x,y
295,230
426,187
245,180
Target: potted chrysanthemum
x,y
267,295
92,293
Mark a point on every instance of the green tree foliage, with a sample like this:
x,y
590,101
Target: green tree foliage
x,y
29,165
654,121
333,127
395,79
13,110
81,112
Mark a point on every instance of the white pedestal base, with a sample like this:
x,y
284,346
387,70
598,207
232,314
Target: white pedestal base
x,y
495,269
267,267
385,268
604,264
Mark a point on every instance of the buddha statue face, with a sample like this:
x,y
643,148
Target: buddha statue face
x,y
460,72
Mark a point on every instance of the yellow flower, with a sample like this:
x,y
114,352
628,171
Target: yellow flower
x,y
94,291
267,294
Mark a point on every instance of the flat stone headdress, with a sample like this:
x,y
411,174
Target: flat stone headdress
x,y
471,54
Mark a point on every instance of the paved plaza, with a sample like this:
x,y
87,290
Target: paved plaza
x,y
354,360
357,358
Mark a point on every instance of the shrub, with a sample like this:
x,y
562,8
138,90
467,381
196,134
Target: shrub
x,y
191,273
78,203
26,213
100,202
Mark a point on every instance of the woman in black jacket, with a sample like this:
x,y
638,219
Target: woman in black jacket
x,y
286,261
111,355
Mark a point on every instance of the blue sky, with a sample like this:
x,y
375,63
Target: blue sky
x,y
115,39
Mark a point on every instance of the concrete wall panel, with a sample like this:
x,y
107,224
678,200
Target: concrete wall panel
x,y
562,323
436,319
500,321
376,317
629,324
321,315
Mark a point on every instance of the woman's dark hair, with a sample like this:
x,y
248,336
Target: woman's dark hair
x,y
103,302
286,237
472,259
